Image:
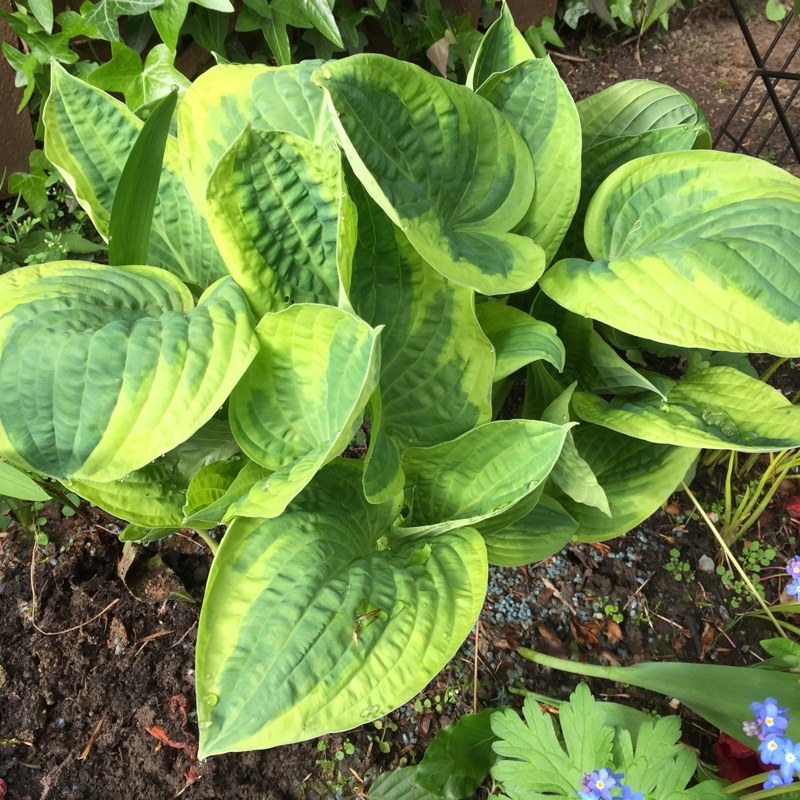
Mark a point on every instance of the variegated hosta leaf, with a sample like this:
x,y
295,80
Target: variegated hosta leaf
x,y
718,407
543,531
383,475
303,398
626,121
274,202
518,338
502,48
631,108
88,136
538,104
153,496
443,163
479,475
103,369
432,346
696,249
308,627
223,101
214,490
571,473
636,476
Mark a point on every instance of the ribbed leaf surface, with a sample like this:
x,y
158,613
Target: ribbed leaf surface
x,y
103,369
696,249
443,163
308,628
536,101
479,475
303,398
636,476
88,136
432,346
273,207
718,407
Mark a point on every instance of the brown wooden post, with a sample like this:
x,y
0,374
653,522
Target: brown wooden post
x,y
16,130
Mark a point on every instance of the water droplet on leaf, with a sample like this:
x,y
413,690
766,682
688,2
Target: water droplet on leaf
x,y
212,699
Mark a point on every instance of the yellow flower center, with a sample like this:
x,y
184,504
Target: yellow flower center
x,y
600,785
772,746
768,721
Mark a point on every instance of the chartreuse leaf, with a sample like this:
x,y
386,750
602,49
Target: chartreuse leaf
x,y
88,136
308,627
502,48
267,98
399,784
303,398
630,108
518,338
131,217
544,530
695,249
433,348
629,120
103,369
571,473
383,475
459,757
717,407
443,163
15,483
698,687
273,206
220,496
533,760
635,476
154,495
538,104
479,475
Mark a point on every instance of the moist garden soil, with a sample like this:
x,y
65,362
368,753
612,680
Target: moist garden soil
x,y
97,666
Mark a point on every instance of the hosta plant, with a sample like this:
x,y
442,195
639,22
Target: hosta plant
x,y
359,258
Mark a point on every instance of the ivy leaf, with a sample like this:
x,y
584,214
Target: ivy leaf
x,y
105,15
140,83
24,67
43,46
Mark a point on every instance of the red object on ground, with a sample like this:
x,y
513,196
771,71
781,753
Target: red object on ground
x,y
792,506
736,761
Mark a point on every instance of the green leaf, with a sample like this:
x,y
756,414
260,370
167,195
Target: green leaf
x,y
717,407
299,406
266,98
399,784
479,475
537,535
274,204
102,369
168,19
432,346
571,473
105,14
210,496
15,483
533,759
538,104
694,249
88,137
142,535
502,48
518,338
43,46
24,67
154,495
443,164
635,476
775,10
459,757
141,84
301,590
697,686
319,13
383,475
135,199
43,11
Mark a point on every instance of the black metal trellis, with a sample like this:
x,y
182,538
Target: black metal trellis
x,y
750,139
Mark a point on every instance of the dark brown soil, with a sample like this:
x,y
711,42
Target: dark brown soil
x,y
106,710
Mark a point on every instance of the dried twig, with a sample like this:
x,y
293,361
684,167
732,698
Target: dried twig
x,y
85,752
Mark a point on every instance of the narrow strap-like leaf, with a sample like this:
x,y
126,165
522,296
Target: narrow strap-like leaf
x,y
135,199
